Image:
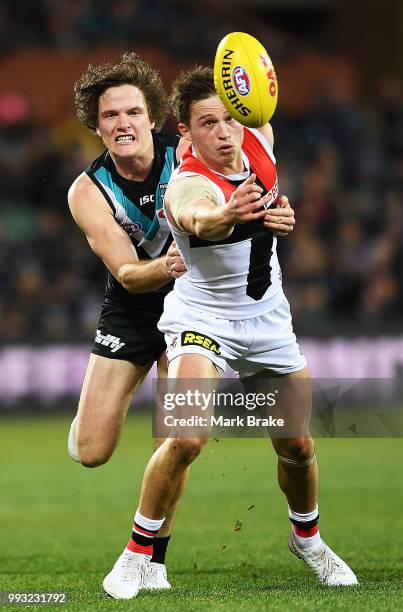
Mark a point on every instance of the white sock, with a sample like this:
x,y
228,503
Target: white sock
x,y
304,541
144,531
146,523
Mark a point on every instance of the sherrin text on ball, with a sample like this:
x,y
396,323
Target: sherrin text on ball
x,y
245,79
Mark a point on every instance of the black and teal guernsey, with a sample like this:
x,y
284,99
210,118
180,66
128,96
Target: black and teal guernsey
x,y
138,208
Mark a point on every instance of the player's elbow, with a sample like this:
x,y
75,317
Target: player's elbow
x,y
127,277
207,230
126,284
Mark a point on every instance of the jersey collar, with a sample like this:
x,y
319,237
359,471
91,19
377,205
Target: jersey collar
x,y
240,176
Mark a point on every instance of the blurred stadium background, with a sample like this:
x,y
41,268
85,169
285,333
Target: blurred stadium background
x,y
339,146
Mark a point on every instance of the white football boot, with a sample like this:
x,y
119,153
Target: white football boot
x,y
127,576
330,569
156,577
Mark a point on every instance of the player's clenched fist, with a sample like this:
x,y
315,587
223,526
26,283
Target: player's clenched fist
x,y
174,262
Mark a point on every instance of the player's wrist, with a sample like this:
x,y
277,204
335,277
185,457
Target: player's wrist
x,y
166,267
228,216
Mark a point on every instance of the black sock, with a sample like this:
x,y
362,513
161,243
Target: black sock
x,y
160,549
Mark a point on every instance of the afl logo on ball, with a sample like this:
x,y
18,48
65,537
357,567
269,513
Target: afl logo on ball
x,y
241,80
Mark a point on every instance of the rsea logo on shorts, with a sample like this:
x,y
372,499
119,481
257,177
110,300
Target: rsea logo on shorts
x,y
192,337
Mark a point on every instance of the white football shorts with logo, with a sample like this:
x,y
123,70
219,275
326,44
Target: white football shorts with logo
x,y
248,346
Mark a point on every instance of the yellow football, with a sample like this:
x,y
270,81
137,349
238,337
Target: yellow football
x,y
245,79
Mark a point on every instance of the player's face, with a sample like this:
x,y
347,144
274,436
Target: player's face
x,y
216,136
123,121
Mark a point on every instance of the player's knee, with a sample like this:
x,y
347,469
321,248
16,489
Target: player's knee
x,y
81,451
298,450
187,449
92,457
86,449
93,462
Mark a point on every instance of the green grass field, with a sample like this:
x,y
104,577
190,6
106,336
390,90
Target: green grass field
x,y
63,526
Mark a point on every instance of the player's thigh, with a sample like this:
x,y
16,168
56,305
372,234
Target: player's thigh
x,y
194,377
193,366
108,388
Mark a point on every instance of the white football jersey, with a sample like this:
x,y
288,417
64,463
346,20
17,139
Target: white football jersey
x,y
238,277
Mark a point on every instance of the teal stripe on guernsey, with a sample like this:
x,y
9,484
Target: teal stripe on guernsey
x,y
150,228
160,192
134,213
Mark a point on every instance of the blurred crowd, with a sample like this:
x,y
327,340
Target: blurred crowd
x,y
85,23
342,166
340,163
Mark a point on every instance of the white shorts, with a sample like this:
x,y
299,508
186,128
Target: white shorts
x,y
248,346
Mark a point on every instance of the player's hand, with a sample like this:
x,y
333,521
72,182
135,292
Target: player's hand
x,y
246,202
280,220
174,262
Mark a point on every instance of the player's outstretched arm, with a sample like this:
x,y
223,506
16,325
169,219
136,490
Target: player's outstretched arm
x,y
111,243
203,218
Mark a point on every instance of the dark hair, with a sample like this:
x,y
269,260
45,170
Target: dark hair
x,y
191,86
132,70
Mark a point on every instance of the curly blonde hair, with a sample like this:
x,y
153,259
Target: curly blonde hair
x,y
131,69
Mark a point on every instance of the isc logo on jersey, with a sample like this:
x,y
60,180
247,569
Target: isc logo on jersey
x,y
147,199
245,79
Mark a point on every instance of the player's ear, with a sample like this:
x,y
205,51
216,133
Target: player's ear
x,y
152,125
98,132
184,132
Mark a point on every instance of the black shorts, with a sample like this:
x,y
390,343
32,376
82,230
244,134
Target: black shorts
x,y
122,335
